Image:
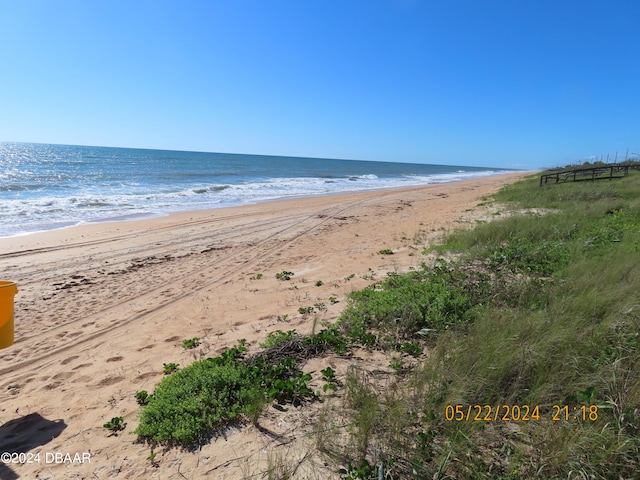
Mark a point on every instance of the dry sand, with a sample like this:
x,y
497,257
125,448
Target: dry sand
x,y
102,307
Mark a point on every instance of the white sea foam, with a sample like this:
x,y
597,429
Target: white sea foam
x,y
45,187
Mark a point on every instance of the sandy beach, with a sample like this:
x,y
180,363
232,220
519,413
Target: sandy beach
x,y
102,307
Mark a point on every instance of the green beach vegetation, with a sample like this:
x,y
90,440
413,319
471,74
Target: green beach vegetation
x,y
190,343
115,425
284,275
516,353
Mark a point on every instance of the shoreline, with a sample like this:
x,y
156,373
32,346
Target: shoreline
x,y
124,217
101,307
141,217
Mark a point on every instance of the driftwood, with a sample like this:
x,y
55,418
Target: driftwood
x,y
300,348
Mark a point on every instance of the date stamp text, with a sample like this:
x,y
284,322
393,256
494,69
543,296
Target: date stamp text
x,y
519,413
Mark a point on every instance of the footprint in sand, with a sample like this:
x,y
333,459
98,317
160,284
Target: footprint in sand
x,y
114,359
144,376
63,375
82,365
17,383
52,386
69,360
146,348
172,339
11,386
109,381
11,356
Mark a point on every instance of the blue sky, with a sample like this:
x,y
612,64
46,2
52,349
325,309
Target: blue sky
x,y
506,83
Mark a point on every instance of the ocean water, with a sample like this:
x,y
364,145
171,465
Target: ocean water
x,y
45,187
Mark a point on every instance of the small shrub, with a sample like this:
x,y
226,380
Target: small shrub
x,y
169,368
291,389
385,251
404,304
284,275
365,471
191,343
152,458
411,348
281,381
527,256
397,365
232,355
142,397
115,425
329,376
319,283
187,405
278,338
328,338
371,275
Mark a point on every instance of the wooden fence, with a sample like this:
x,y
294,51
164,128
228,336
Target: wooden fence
x,y
592,173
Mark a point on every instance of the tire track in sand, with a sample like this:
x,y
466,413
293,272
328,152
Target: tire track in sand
x,y
249,254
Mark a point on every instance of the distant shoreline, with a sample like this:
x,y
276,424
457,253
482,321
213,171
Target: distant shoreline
x,y
151,215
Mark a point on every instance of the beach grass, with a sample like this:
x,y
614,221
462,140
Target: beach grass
x,y
529,326
553,288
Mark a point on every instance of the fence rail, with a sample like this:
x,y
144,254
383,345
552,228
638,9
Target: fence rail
x,y
583,174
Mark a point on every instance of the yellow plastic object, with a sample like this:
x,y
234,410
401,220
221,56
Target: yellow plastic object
x,y
7,292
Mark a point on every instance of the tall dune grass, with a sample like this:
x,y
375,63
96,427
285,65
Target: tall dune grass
x,y
555,295
539,312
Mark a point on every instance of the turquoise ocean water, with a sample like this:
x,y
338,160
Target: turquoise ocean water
x,y
45,187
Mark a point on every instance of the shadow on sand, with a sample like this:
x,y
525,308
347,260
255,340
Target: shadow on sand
x,y
24,434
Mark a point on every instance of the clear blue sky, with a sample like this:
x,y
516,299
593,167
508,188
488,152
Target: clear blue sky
x,y
507,83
